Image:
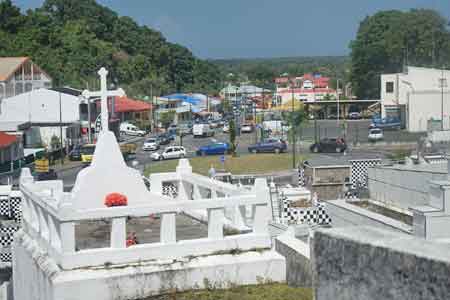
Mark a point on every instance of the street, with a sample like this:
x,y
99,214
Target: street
x,y
356,132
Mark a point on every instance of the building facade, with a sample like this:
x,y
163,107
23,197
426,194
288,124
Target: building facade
x,y
307,88
41,114
20,75
418,96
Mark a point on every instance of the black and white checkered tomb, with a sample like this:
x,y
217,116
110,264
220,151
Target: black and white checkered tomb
x,y
360,171
315,215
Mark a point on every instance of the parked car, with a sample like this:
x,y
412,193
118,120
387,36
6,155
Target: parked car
x,y
75,154
385,123
247,128
169,153
332,116
354,115
130,129
87,153
269,145
375,134
214,148
337,145
185,129
150,144
226,128
164,139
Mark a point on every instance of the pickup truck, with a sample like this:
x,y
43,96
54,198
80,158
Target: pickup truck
x,y
385,123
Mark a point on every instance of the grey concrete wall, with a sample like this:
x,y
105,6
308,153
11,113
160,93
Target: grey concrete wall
x,y
401,188
363,263
347,215
298,266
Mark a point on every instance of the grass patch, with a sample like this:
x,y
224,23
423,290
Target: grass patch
x,y
255,292
244,164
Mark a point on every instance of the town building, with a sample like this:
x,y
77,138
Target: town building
x,y
232,92
20,75
420,97
11,150
308,88
41,114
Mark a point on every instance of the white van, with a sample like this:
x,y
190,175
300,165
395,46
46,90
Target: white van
x,y
130,129
202,130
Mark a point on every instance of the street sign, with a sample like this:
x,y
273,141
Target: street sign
x,y
98,123
41,165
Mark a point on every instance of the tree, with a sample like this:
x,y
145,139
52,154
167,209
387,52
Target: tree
x,y
232,133
166,118
72,39
388,40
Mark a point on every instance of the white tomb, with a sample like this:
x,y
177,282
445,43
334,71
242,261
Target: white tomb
x,y
47,264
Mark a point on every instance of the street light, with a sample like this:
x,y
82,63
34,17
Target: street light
x,y
442,85
294,141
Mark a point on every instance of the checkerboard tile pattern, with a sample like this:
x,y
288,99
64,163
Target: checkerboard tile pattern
x,y
11,210
315,215
170,189
360,171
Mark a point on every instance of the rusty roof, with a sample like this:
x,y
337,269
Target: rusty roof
x,y
8,65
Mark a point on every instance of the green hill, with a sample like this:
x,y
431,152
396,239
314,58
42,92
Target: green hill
x,y
71,39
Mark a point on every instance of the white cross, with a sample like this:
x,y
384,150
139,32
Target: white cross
x,y
103,94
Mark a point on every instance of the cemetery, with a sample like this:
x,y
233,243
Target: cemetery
x,y
189,235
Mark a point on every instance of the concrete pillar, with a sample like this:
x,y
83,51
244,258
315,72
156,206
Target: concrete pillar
x,y
118,232
215,223
168,228
67,234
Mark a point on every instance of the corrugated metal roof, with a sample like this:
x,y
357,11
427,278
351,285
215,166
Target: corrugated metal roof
x,y
6,139
8,65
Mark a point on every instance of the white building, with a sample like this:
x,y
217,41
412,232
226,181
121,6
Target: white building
x,y
37,115
232,91
307,88
416,97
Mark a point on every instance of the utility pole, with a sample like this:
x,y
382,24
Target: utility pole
x,y
89,116
338,108
294,140
442,84
60,131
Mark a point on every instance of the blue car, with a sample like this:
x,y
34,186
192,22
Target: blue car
x,y
269,145
215,148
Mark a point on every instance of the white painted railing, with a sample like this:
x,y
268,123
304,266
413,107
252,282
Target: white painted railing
x,y
49,217
192,186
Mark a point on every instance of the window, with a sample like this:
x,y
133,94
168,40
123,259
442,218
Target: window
x,y
389,87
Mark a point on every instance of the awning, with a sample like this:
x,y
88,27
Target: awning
x,y
6,139
124,104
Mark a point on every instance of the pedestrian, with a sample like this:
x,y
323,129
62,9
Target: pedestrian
x,y
212,172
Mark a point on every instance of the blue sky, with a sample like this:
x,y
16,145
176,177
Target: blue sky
x,y
258,28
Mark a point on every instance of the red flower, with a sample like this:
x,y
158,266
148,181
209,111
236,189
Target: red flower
x,y
116,199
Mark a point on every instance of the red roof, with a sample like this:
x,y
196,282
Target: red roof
x,y
307,91
6,139
124,104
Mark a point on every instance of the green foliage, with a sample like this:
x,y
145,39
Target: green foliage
x,y
55,142
166,118
265,291
389,39
262,71
232,133
72,39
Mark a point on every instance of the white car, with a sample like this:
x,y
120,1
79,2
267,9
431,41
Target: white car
x,y
150,144
247,128
226,128
169,153
375,134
